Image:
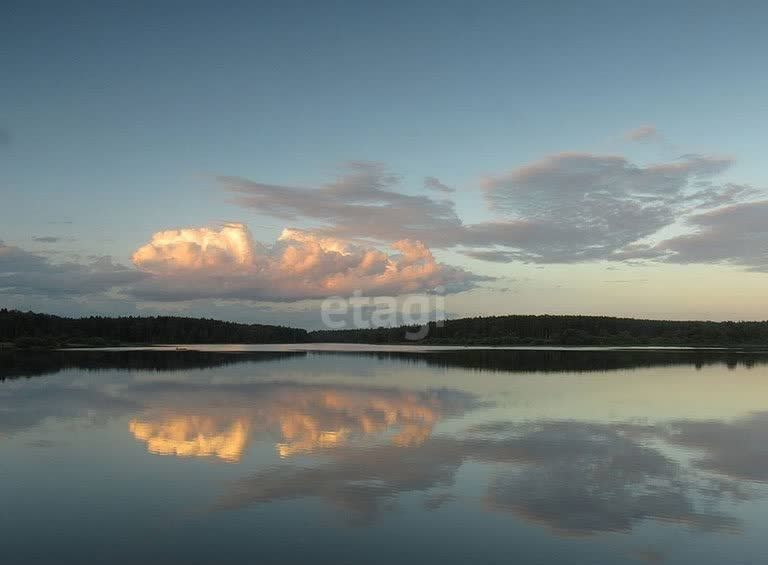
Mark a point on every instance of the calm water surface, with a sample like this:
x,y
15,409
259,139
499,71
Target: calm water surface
x,y
437,456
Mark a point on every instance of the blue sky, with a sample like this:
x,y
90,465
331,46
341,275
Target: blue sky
x,y
118,117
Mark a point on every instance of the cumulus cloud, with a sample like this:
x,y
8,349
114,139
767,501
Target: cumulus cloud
x,y
25,273
226,263
227,248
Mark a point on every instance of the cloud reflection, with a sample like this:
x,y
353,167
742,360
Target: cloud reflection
x,y
221,421
737,449
193,436
575,478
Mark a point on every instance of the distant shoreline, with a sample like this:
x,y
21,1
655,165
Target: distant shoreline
x,y
29,330
8,347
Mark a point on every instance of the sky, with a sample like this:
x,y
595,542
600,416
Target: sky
x,y
247,160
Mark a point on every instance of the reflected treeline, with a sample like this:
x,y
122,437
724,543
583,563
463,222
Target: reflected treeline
x,y
36,363
15,364
568,360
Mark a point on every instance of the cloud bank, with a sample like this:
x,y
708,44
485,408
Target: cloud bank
x,y
363,231
564,208
226,263
736,234
22,272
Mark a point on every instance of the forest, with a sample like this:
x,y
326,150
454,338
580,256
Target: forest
x,y
29,329
563,330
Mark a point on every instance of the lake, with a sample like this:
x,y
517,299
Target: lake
x,y
278,454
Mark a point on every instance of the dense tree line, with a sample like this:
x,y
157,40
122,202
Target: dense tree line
x,y
28,329
563,330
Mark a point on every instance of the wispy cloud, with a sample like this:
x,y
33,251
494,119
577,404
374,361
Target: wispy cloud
x,y
564,208
362,202
644,133
736,234
582,206
433,183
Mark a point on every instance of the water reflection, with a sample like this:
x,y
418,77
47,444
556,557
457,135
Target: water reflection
x,y
365,436
737,448
576,478
566,360
221,420
24,408
193,436
31,363
14,364
582,478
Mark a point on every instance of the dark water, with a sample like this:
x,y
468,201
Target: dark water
x,y
472,456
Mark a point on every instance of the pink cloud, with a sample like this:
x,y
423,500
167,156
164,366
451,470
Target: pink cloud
x,y
226,263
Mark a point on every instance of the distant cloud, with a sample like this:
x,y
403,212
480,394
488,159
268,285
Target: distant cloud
x,y
433,183
25,273
564,208
643,133
573,207
493,256
226,263
362,202
736,234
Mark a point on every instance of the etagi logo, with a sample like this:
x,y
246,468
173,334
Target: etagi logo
x,y
360,311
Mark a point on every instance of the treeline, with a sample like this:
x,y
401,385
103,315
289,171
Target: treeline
x,y
562,330
28,329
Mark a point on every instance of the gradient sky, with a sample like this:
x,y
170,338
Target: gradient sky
x,y
537,157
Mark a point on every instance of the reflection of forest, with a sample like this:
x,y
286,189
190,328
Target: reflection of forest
x,y
573,360
34,363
